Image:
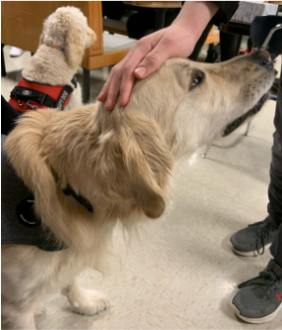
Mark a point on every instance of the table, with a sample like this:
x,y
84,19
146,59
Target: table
x,y
160,6
231,33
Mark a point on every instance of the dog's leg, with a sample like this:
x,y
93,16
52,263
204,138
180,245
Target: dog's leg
x,y
27,276
14,317
87,302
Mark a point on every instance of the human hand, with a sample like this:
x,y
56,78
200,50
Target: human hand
x,y
145,57
150,52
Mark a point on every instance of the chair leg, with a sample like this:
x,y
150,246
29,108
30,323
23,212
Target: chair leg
x,y
248,127
86,85
250,45
210,55
200,43
230,45
204,155
3,66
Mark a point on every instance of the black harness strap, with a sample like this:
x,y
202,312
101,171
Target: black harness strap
x,y
27,94
74,81
68,191
66,91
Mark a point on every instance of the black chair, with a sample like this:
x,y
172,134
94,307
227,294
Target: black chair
x,y
266,33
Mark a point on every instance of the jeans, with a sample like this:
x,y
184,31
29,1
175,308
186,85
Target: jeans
x,y
275,186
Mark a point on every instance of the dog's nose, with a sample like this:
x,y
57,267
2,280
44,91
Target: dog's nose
x,y
265,58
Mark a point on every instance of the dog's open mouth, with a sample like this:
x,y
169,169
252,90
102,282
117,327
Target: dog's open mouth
x,y
239,121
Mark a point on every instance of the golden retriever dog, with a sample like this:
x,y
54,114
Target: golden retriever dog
x,y
63,41
119,166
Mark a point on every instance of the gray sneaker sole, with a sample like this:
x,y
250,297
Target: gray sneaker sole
x,y
250,253
255,321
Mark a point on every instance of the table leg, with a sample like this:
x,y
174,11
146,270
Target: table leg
x,y
250,45
86,85
211,54
200,43
3,66
230,45
160,18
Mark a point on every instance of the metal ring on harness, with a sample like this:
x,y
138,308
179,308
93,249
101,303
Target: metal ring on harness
x,y
28,104
31,106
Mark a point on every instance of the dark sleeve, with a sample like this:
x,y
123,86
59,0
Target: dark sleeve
x,y
8,117
226,10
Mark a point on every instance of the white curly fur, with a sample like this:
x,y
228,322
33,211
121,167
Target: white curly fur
x,y
67,28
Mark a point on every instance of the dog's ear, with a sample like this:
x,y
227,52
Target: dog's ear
x,y
149,162
148,194
91,37
41,39
23,147
74,47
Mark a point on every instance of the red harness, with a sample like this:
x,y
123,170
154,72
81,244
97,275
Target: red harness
x,y
29,95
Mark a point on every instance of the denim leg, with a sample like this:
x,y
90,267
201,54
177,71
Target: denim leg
x,y
275,186
276,247
8,117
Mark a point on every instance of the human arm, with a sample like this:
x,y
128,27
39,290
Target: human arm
x,y
150,52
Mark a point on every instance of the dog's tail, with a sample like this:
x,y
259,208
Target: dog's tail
x,y
24,149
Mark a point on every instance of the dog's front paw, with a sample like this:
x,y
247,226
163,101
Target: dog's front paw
x,y
89,302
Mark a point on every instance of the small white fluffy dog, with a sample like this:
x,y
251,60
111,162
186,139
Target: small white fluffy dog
x,y
63,41
121,163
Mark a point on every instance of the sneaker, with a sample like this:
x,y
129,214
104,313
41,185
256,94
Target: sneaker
x,y
16,52
260,299
252,241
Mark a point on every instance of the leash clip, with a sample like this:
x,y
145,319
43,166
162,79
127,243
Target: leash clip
x,y
33,107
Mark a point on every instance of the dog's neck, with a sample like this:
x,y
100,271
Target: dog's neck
x,y
58,73
57,47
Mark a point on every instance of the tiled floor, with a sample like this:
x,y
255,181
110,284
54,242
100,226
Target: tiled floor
x,y
182,273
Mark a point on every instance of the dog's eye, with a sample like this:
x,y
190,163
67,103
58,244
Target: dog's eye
x,y
197,78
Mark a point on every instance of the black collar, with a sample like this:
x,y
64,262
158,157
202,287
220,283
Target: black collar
x,y
236,123
74,81
68,191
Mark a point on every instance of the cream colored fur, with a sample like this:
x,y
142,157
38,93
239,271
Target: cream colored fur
x,y
121,161
67,28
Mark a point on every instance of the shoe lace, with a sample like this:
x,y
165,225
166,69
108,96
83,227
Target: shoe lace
x,y
262,233
265,281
